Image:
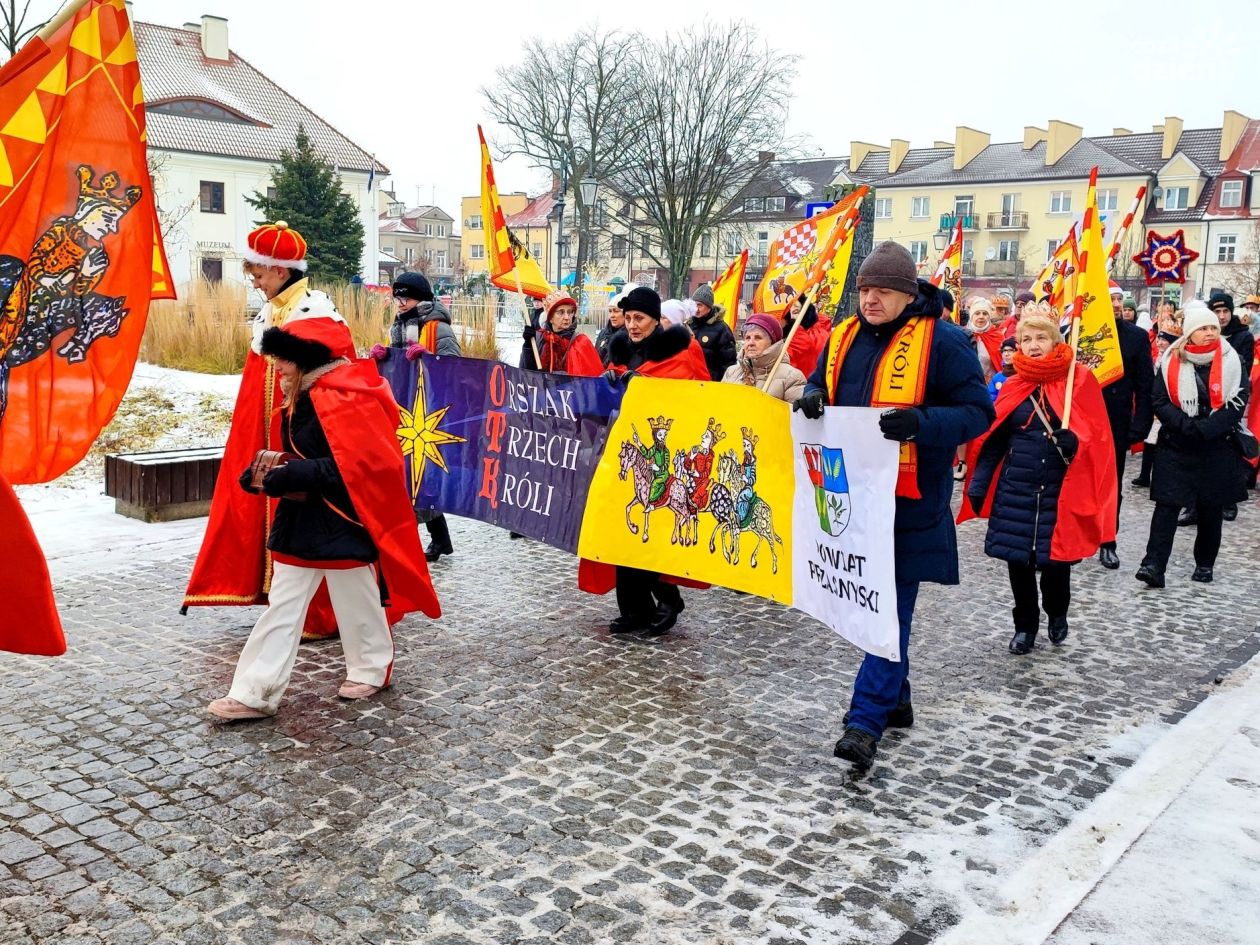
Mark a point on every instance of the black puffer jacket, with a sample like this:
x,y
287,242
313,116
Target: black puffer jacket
x,y
1242,341
716,341
421,315
1026,501
310,528
603,341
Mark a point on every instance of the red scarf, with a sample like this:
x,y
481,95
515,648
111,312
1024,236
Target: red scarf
x,y
992,339
1216,384
1053,367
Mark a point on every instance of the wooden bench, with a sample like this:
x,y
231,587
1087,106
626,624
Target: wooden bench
x,y
163,485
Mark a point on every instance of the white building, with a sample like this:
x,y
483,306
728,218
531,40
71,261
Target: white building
x,y
216,129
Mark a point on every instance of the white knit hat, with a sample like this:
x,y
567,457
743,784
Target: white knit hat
x,y
675,312
1196,315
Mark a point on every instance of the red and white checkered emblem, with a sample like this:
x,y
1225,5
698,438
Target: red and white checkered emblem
x,y
796,243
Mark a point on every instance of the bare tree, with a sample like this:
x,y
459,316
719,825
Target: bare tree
x,y
567,107
710,102
14,31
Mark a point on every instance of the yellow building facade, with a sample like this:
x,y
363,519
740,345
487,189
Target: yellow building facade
x,y
472,248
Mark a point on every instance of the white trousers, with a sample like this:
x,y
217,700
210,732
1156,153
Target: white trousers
x,y
262,673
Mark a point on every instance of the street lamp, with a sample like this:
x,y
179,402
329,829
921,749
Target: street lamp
x,y
564,186
940,241
588,187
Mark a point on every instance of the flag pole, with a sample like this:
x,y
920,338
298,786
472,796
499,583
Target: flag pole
x,y
1078,305
520,291
1114,253
68,13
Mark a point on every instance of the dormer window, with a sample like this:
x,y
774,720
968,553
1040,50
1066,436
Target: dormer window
x,y
1231,193
198,108
1176,198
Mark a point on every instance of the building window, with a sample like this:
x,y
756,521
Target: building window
x,y
1052,247
272,193
1231,193
1008,250
883,208
754,205
776,204
428,229
732,244
441,229
474,222
619,245
1176,198
920,207
212,270
194,108
968,249
441,259
212,196
410,255
706,245
535,250
645,245
763,243
566,249
1061,201
964,206
477,251
1108,199
1226,248
918,250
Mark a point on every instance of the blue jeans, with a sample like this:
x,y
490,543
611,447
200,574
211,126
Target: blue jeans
x,y
881,684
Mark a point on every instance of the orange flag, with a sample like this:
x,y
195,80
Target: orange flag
x,y
1052,284
727,287
510,263
948,273
80,250
800,254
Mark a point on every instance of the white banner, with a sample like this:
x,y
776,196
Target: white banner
x,y
843,562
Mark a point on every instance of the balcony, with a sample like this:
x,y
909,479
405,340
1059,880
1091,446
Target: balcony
x,y
968,268
970,221
1004,267
1015,220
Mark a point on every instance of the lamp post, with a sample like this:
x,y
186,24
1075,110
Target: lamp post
x,y
588,187
564,186
940,241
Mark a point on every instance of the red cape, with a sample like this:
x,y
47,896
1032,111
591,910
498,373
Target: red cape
x,y
29,623
583,360
596,577
360,419
1253,405
1086,510
807,344
992,341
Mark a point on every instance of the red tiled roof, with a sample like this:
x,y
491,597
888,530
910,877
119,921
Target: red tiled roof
x,y
174,68
1241,163
536,213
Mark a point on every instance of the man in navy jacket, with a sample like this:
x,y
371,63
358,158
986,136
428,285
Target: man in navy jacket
x,y
955,408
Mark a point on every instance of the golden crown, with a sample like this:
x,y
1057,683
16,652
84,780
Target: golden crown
x,y
105,192
715,430
749,435
660,423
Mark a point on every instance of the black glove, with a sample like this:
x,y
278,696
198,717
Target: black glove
x,y
626,375
976,502
1067,442
611,376
297,475
810,404
247,481
529,332
900,423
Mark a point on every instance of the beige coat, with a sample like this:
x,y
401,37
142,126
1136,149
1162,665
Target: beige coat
x,y
788,383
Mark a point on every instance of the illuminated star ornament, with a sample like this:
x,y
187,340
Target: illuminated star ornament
x,y
421,440
1166,258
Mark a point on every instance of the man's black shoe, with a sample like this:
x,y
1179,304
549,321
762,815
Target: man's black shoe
x,y
435,551
1141,481
900,717
1022,642
858,747
1188,517
666,617
1058,629
1202,574
1108,558
1149,576
515,535
1230,512
628,624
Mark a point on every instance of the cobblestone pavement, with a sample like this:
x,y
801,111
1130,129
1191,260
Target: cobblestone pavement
x,y
532,779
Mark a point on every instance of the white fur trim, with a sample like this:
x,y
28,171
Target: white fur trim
x,y
258,259
314,304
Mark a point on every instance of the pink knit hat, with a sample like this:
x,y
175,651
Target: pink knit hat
x,y
767,323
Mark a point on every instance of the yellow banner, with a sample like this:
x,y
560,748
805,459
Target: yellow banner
x,y
1098,347
704,475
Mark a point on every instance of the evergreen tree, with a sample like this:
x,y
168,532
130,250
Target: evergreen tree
x,y
310,199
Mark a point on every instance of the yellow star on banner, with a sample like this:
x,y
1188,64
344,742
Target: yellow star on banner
x,y
421,440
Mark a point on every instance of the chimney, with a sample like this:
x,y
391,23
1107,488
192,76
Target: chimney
x,y
765,157
1060,139
942,144
1033,136
193,27
214,38
1232,127
1172,134
897,153
967,144
858,152
1120,132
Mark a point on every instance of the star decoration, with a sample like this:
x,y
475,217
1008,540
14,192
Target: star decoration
x,y
421,441
1166,258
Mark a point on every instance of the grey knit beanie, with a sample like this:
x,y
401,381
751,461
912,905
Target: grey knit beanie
x,y
704,295
889,266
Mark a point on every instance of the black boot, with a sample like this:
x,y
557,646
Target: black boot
x,y
1058,630
1230,512
1150,575
1202,574
1025,633
1108,558
666,617
1188,517
441,540
630,623
858,747
900,717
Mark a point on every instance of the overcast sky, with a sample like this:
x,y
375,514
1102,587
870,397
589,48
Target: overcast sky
x,y
402,78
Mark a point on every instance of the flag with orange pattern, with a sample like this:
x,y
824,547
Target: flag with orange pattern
x,y
80,249
727,288
508,258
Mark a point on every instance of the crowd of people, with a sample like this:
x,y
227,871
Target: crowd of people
x,y
988,392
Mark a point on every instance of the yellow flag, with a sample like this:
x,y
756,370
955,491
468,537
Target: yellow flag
x,y
726,289
510,263
798,253
1098,346
1053,282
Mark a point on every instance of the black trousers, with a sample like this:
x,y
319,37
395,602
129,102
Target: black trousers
x,y
1207,540
640,593
439,532
1056,592
1121,453
1148,461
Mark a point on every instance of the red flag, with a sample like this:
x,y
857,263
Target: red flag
x,y
80,250
29,623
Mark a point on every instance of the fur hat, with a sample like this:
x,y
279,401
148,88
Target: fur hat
x,y
642,299
1221,298
413,285
309,342
276,244
767,323
889,266
703,295
1196,315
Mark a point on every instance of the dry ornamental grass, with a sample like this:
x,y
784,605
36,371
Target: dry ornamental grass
x,y
206,330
